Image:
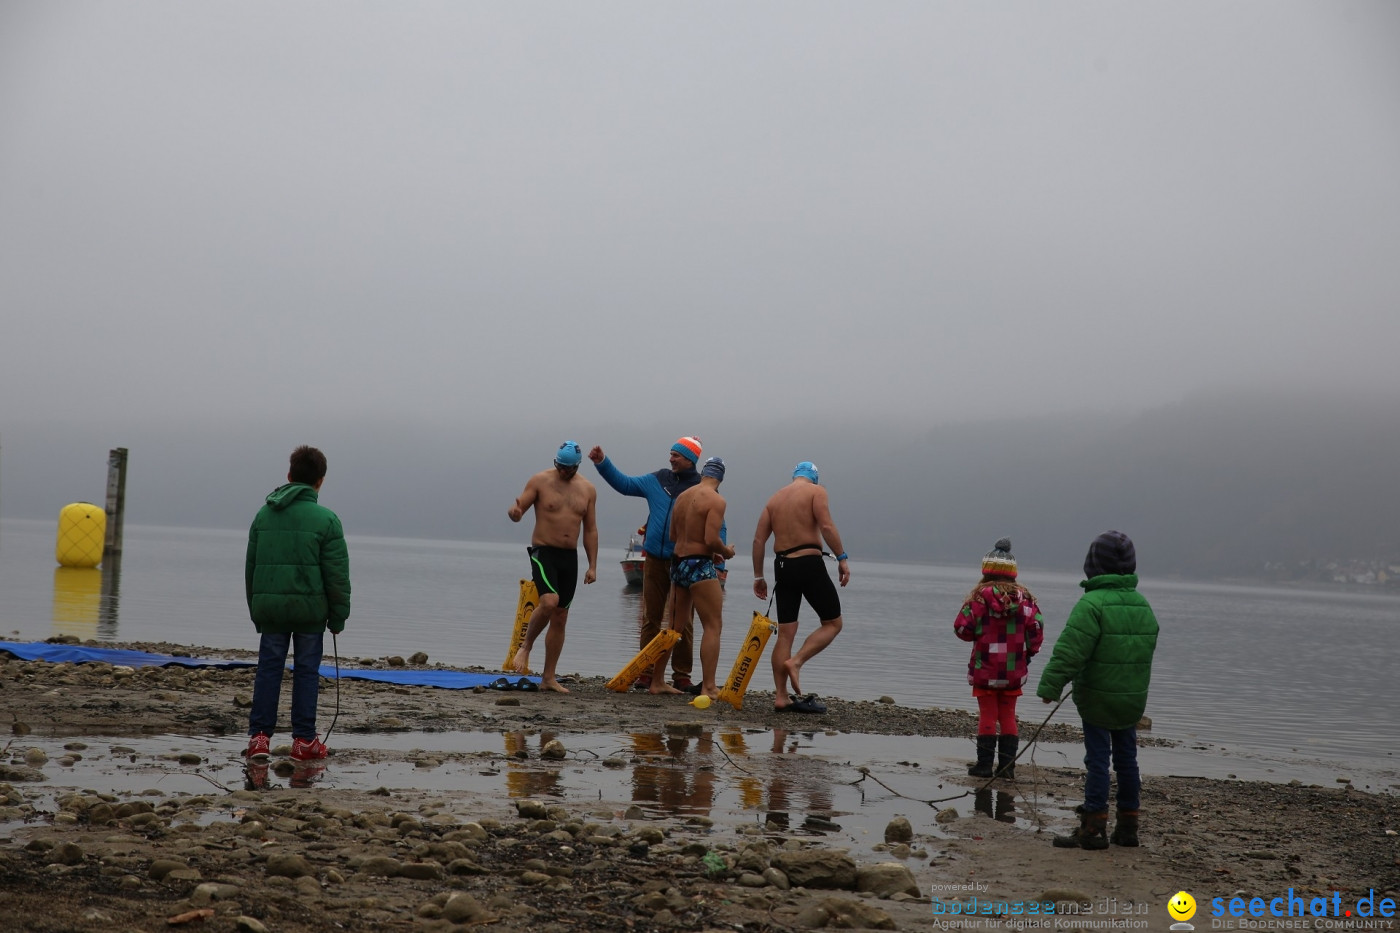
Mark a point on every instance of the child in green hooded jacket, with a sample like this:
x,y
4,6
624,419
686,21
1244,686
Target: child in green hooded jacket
x,y
297,578
1106,651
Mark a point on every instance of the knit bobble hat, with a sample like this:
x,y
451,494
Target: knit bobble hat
x,y
689,448
1110,552
999,561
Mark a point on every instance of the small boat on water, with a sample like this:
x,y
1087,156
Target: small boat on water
x,y
633,561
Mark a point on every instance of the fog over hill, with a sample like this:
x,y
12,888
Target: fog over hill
x,y
1215,486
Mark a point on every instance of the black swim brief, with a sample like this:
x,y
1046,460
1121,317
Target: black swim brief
x,y
796,578
554,570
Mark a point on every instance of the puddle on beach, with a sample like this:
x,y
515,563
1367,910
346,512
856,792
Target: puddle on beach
x,y
845,786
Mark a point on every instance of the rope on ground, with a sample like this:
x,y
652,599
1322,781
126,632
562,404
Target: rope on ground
x,y
1030,744
1030,747
719,747
335,650
199,772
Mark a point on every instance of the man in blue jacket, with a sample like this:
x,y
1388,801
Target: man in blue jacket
x,y
660,490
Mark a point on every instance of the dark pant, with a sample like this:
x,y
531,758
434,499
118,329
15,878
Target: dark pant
x,y
306,683
656,588
1121,746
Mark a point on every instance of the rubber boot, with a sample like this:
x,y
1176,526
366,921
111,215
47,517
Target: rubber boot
x,y
986,754
1006,756
1091,834
1125,830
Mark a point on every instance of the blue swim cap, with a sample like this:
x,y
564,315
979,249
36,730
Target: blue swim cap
x,y
806,469
569,454
714,467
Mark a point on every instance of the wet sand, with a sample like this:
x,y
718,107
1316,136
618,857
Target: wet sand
x,y
362,857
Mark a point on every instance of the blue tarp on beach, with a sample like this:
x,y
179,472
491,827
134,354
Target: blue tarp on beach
x,y
80,654
83,654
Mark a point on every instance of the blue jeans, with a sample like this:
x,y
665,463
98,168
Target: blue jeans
x,y
1121,745
306,683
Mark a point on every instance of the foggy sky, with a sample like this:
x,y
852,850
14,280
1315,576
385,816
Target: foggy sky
x,y
499,225
472,213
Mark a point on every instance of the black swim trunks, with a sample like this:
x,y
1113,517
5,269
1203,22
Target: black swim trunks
x,y
796,578
688,571
554,570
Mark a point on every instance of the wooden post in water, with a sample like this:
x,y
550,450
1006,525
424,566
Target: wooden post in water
x,y
116,502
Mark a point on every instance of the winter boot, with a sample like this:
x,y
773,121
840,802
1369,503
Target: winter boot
x,y
1006,756
986,753
1125,830
1091,834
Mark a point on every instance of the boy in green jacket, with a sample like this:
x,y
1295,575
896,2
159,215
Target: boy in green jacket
x,y
1106,650
297,577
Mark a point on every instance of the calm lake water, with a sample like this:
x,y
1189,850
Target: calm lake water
x,y
1300,673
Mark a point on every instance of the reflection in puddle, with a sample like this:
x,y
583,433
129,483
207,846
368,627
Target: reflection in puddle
x,y
258,775
803,783
1004,808
670,776
524,779
848,786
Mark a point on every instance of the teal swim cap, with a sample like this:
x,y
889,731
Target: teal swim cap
x,y
568,455
806,469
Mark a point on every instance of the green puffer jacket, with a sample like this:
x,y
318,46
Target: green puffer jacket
x,y
297,573
1106,649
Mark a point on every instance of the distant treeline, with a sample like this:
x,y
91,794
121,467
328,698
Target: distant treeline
x,y
1214,487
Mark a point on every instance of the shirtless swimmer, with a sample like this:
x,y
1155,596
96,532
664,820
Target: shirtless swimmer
x,y
696,522
564,502
798,517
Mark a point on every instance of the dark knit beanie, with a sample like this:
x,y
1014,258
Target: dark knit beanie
x,y
999,561
1110,552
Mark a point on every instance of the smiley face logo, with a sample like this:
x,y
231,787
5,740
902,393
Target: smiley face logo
x,y
1182,906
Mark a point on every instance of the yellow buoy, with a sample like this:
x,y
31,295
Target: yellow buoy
x,y
524,608
82,533
760,630
645,660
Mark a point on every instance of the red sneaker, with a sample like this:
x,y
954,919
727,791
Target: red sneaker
x,y
308,749
259,746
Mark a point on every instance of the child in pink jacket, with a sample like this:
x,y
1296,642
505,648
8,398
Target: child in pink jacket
x,y
1001,619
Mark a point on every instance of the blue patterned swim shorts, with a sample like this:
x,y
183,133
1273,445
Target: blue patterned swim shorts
x,y
688,571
